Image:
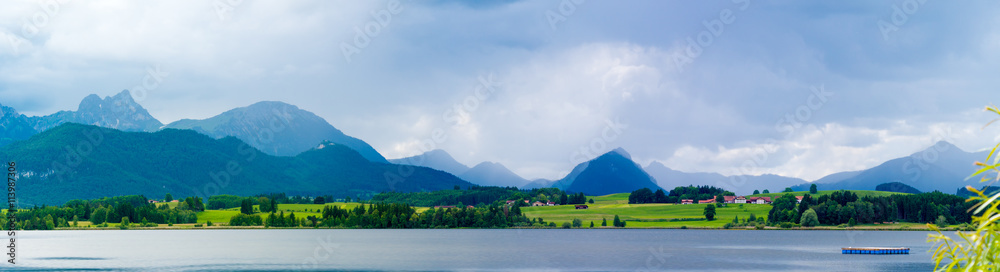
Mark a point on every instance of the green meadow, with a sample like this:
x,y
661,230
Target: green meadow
x,y
301,211
645,215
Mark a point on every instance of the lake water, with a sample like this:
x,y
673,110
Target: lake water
x,y
465,250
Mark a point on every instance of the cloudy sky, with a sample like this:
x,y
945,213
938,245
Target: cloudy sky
x,y
739,87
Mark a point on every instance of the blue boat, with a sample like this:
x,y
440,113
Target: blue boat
x,y
876,250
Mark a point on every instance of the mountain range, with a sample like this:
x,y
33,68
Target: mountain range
x,y
739,184
485,173
276,128
942,167
118,112
74,161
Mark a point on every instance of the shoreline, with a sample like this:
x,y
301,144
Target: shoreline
x,y
828,228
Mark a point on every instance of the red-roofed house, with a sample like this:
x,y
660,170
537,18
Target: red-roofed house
x,y
730,199
687,201
799,199
707,201
760,200
550,203
740,200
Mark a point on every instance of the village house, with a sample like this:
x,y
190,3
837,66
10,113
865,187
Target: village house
x,y
687,201
707,201
550,203
760,200
798,199
740,200
730,199
537,203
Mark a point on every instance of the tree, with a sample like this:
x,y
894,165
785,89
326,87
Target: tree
x,y
659,196
265,205
563,199
49,223
577,223
710,212
319,200
591,224
809,219
756,192
812,189
617,221
125,223
246,206
720,199
168,198
766,191
941,221
787,190
604,222
591,201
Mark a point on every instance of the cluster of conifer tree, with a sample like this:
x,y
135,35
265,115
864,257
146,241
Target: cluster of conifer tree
x,y
134,209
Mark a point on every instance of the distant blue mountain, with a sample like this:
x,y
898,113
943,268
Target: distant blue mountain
x,y
613,172
941,167
116,112
493,174
740,184
277,128
437,159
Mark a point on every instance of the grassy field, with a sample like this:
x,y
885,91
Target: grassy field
x,y
860,193
301,211
645,215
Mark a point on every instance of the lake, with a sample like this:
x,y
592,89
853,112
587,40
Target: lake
x,y
466,250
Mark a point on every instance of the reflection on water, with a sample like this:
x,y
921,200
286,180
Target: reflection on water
x,y
460,250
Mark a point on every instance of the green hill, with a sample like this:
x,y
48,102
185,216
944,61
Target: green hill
x,y
76,161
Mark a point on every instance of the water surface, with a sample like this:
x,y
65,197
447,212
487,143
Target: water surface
x,y
466,250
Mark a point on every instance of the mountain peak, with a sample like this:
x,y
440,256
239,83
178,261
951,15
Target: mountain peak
x,y
656,164
90,103
291,130
622,152
493,174
945,145
436,159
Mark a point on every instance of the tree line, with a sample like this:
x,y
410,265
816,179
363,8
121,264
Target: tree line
x,y
395,216
645,195
480,195
133,208
845,207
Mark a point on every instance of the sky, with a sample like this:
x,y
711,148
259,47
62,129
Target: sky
x,y
794,88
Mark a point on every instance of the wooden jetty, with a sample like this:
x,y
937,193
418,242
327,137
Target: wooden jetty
x,y
876,250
